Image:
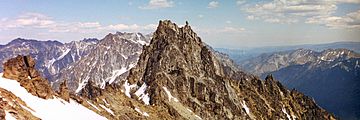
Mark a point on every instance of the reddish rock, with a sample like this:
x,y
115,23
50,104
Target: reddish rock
x,y
2,114
22,69
64,92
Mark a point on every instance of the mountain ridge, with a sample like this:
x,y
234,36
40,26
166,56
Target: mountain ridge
x,y
329,76
194,78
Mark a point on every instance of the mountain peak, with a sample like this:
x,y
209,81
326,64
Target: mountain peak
x,y
166,25
181,74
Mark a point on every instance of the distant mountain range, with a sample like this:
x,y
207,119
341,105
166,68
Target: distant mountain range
x,y
330,76
52,56
240,54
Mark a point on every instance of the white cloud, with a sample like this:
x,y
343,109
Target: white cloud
x,y
44,25
346,1
28,20
228,22
250,17
350,20
130,3
232,30
213,4
279,11
200,16
240,2
89,24
131,28
282,11
157,4
227,30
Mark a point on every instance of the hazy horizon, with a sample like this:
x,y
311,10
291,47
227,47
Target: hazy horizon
x,y
221,24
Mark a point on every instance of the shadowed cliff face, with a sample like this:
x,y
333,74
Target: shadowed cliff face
x,y
181,74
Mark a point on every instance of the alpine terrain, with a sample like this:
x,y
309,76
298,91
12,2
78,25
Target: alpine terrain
x,y
108,62
179,76
172,76
331,76
25,95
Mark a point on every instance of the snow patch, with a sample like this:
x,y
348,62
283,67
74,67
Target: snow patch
x,y
63,55
107,109
60,109
103,83
247,110
128,87
132,65
143,113
125,57
119,72
8,116
93,105
49,63
82,84
105,102
194,113
339,63
141,94
140,40
115,74
287,115
169,95
198,117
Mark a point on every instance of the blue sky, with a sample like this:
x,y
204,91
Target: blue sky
x,y
220,23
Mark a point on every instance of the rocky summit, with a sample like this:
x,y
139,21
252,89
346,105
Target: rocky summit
x,y
179,73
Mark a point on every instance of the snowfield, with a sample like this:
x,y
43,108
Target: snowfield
x,y
51,109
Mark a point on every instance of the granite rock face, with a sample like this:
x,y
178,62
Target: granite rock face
x,y
181,74
22,69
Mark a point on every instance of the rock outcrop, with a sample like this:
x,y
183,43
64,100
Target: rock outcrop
x,y
90,91
24,91
64,92
181,74
22,69
14,106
